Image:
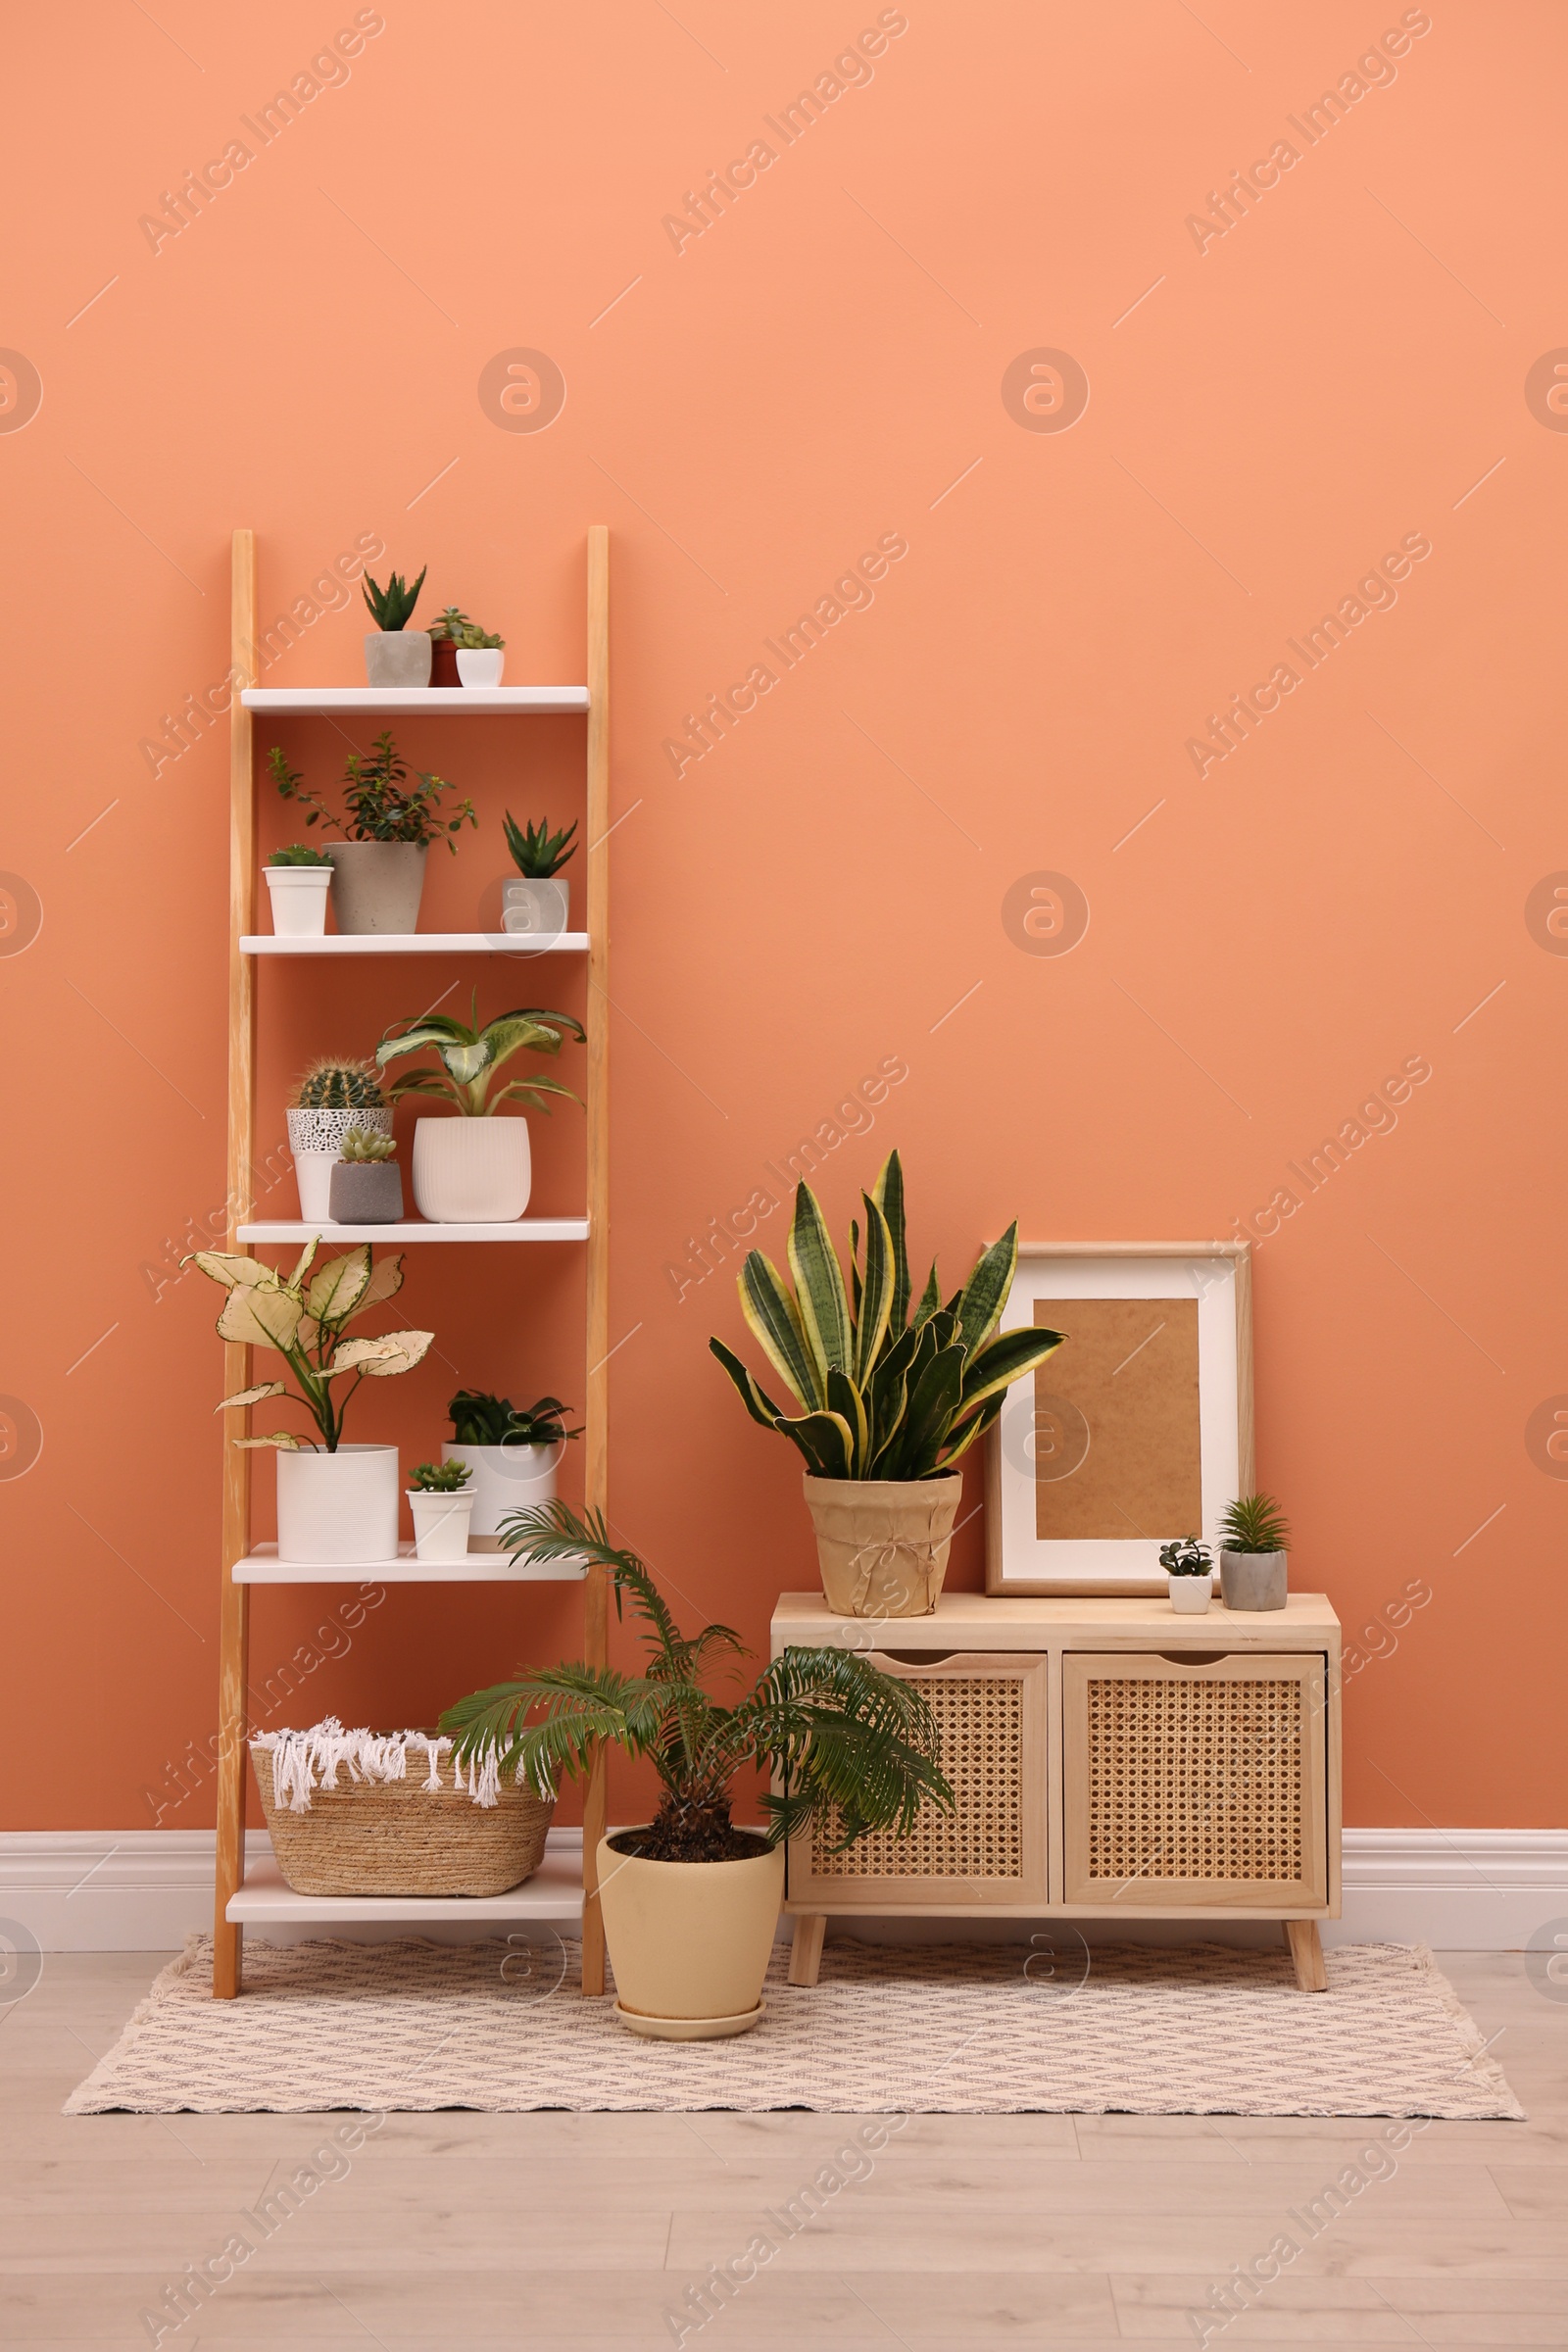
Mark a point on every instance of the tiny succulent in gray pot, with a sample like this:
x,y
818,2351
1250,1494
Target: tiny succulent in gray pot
x,y
334,1096
394,654
1254,1560
366,1187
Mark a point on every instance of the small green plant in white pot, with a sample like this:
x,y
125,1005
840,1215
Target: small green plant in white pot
x,y
394,654
334,1096
335,1502
1254,1559
481,657
367,1180
475,1168
441,1508
512,1452
1189,1575
541,902
389,824
298,879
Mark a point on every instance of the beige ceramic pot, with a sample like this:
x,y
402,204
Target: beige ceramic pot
x,y
690,1941
882,1543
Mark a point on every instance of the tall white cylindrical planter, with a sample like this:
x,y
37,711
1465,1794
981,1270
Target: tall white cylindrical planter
x,y
316,1139
471,1171
338,1506
506,1479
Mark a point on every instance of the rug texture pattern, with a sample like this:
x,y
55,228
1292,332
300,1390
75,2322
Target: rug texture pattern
x,y
955,2029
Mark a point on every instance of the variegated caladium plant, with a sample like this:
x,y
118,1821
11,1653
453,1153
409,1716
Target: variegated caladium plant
x,y
469,1057
881,1395
303,1317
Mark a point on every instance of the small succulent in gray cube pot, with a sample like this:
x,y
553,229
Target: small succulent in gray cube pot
x,y
1189,1575
367,1183
1254,1560
394,654
541,901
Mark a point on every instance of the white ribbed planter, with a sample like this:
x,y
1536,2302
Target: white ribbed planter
x,y
506,1479
338,1506
316,1139
471,1171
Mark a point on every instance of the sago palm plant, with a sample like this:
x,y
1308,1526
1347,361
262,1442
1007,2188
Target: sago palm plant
x,y
846,1742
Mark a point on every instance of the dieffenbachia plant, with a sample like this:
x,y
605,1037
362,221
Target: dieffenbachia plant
x,y
306,1326
469,1057
881,1396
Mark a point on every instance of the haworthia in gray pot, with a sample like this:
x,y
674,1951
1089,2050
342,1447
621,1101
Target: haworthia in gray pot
x,y
1254,1560
390,822
394,654
366,1182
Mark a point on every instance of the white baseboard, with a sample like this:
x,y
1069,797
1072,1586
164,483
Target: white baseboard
x,y
1459,1891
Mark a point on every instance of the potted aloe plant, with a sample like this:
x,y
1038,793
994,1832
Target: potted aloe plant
x,y
1189,1575
378,868
690,1901
333,1097
335,1502
541,901
888,1403
441,1507
474,1169
513,1453
394,654
1253,1561
298,879
367,1183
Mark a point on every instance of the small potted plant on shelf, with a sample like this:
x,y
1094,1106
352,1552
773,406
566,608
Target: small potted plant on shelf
x,y
1189,1575
367,1183
394,654
887,1405
441,1510
514,1455
335,1502
446,635
333,1097
1253,1561
298,879
540,902
474,1169
378,868
480,658
690,1901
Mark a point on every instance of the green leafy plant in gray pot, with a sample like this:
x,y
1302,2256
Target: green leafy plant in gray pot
x,y
387,826
1253,1558
394,654
889,1403
366,1187
541,901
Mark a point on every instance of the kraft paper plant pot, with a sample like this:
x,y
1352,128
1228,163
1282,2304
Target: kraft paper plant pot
x,y
314,1137
1190,1596
398,658
377,885
440,1525
690,1941
536,907
471,1171
444,662
882,1543
338,1506
506,1479
366,1191
1253,1580
298,893
481,665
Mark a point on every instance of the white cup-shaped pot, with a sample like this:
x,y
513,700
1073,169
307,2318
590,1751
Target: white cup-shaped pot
x,y
539,905
506,1479
471,1171
315,1139
298,898
440,1525
481,665
1190,1596
338,1506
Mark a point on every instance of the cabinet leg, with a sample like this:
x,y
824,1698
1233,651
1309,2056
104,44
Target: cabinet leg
x,y
806,1953
227,1938
594,1816
1306,1950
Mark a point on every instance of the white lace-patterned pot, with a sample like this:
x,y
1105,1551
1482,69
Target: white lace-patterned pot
x,y
471,1171
315,1139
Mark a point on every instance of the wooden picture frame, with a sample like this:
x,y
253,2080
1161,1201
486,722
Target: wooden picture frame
x,y
1085,1480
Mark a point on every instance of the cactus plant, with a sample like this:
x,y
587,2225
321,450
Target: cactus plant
x,y
391,606
332,1085
538,853
363,1145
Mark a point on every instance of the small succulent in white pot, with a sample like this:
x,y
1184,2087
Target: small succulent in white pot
x,y
541,902
481,657
298,879
1254,1559
441,1509
1189,1575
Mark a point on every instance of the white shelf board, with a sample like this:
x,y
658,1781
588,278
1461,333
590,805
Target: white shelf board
x,y
471,702
554,1893
419,1229
263,1567
421,943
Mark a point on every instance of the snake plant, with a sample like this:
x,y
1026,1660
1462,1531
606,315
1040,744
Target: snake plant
x,y
881,1396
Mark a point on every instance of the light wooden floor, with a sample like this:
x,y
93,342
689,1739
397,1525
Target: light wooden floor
x,y
469,2231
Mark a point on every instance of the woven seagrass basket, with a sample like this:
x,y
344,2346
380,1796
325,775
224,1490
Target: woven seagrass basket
x,y
399,1837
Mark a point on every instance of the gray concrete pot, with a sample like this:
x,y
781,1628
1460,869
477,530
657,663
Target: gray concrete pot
x,y
377,885
398,658
367,1192
537,906
1253,1580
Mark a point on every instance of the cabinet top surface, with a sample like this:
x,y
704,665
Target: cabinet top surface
x,y
976,1616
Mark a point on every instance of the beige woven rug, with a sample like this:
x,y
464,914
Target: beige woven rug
x,y
956,2029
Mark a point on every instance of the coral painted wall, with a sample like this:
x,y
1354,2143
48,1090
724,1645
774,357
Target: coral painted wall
x,y
1143,347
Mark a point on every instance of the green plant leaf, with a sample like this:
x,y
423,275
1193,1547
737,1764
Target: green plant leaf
x,y
875,1303
983,1297
256,1395
775,1323
888,1194
930,1299
1006,1358
824,1311
825,1439
283,1441
260,1317
756,1402
383,1359
846,1405
234,1273
339,1287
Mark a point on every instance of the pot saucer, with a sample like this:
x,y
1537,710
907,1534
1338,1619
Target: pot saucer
x,y
690,2028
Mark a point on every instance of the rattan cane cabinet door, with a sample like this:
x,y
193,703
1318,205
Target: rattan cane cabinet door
x,y
1200,1784
989,1707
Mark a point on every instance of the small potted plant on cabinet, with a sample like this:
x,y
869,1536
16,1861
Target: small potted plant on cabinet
x,y
333,1097
378,868
298,879
887,1405
335,1502
474,1169
690,1901
446,635
441,1508
541,901
513,1454
367,1183
1189,1574
480,657
1253,1561
394,654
